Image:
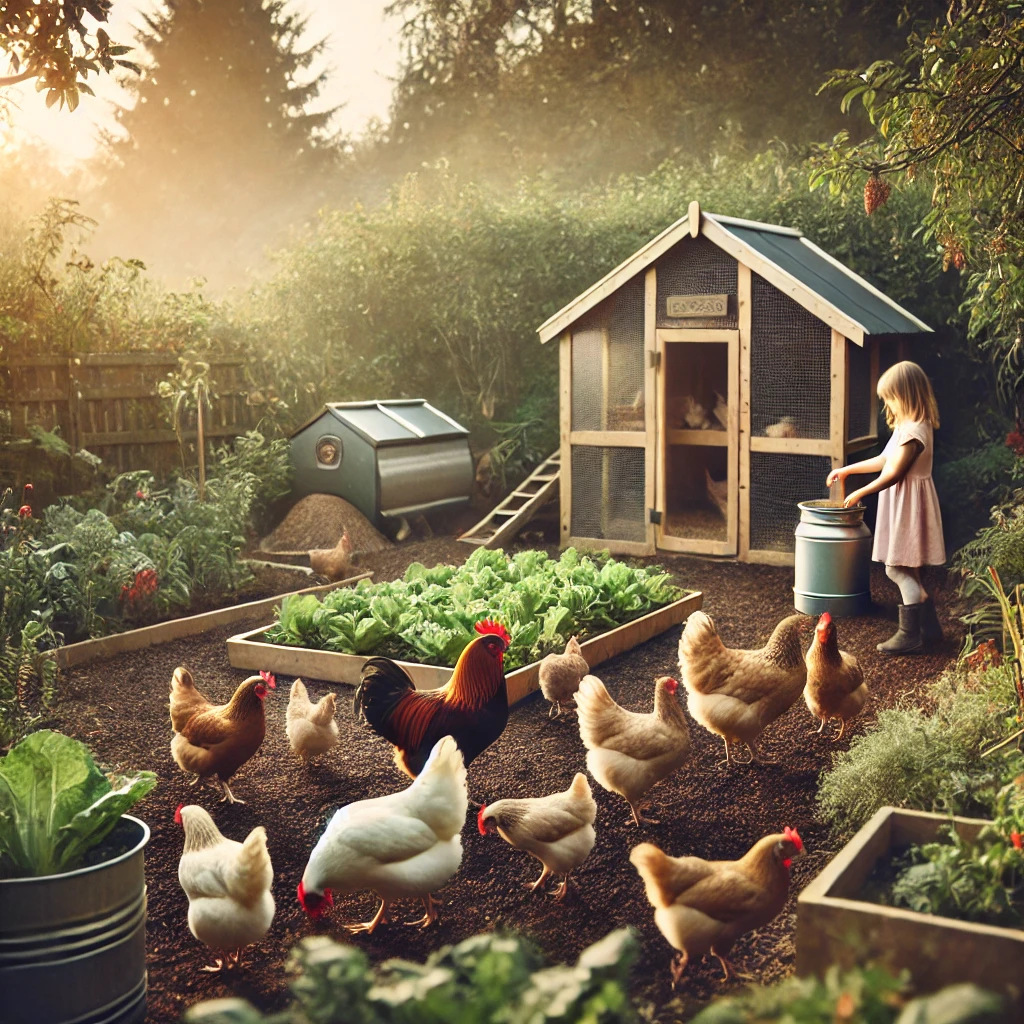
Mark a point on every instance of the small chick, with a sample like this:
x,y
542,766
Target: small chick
x,y
558,830
227,883
561,674
835,683
311,728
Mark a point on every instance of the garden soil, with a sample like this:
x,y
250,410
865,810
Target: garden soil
x,y
119,707
318,521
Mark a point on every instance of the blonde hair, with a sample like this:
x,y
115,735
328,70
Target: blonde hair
x,y
907,394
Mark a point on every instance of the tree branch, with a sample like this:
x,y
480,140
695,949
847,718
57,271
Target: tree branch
x,y
15,79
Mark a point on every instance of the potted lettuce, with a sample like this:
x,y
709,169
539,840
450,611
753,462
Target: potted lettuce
x,y
72,886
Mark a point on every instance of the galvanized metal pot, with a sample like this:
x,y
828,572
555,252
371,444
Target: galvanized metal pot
x,y
73,946
832,560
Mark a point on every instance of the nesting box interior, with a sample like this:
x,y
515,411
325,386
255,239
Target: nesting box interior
x,y
710,382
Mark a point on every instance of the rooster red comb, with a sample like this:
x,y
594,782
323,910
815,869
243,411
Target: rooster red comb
x,y
485,626
480,819
177,814
791,833
269,679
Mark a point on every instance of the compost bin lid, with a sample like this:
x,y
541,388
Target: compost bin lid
x,y
399,421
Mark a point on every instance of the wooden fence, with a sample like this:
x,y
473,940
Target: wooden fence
x,y
108,404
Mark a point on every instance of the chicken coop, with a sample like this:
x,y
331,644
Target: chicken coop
x,y
390,459
710,382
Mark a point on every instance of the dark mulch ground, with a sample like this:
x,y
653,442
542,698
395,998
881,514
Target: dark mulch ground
x,y
119,707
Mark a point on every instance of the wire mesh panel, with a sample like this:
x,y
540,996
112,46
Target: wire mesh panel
x,y
888,355
696,266
608,493
860,404
610,338
790,372
777,483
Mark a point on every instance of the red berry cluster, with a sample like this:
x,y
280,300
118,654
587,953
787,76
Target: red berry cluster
x,y
1016,840
1015,441
146,582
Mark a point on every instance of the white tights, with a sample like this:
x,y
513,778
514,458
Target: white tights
x,y
908,579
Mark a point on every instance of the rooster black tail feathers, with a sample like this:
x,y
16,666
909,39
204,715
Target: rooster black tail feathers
x,y
381,686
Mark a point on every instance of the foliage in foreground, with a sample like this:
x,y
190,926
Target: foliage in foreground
x,y
487,979
56,805
28,680
861,996
930,762
428,616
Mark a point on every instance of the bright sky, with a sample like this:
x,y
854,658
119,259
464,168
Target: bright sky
x,y
362,55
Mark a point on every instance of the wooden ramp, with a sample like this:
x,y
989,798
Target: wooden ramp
x,y
511,515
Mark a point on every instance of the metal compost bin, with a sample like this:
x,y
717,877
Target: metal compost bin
x,y
832,560
389,459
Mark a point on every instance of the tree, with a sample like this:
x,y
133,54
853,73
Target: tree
x,y
588,89
50,40
219,153
951,108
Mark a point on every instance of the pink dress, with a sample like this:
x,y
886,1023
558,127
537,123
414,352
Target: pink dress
x,y
908,530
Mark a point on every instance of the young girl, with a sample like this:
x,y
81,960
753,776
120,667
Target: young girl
x,y
908,531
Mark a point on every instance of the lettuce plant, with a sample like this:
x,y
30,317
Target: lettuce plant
x,y
56,805
428,615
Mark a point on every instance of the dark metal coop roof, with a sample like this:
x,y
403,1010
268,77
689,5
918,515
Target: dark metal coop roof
x,y
395,421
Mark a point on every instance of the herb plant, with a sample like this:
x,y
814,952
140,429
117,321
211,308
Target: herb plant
x,y
56,805
487,979
428,616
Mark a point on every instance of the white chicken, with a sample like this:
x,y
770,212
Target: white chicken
x,y
311,728
227,883
629,753
558,829
402,845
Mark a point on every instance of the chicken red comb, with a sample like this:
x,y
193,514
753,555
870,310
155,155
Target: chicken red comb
x,y
825,620
480,819
485,626
269,679
313,903
791,833
177,814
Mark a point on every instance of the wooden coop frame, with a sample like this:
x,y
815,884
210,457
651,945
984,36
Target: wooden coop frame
x,y
761,295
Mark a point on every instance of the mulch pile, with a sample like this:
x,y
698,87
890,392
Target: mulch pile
x,y
318,521
119,707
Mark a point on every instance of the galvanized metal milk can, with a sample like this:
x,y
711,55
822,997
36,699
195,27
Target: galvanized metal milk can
x,y
833,559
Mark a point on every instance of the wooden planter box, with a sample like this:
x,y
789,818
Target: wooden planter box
x,y
250,651
835,927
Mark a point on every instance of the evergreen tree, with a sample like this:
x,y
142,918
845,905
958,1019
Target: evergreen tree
x,y
219,153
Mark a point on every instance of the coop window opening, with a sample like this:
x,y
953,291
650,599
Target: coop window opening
x,y
329,452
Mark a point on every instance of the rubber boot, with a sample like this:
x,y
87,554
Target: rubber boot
x,y
931,628
907,639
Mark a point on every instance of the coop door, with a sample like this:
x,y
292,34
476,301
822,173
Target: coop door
x,y
698,493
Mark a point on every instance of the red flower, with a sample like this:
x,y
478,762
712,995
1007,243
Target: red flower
x,y
28,488
1016,840
25,511
1015,441
141,495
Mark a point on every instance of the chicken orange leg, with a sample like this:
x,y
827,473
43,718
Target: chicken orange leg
x,y
430,906
381,917
562,888
678,967
638,816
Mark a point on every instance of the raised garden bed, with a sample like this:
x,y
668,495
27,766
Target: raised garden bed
x,y
836,923
252,651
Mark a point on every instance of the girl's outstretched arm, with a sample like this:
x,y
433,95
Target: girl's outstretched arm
x,y
895,469
875,465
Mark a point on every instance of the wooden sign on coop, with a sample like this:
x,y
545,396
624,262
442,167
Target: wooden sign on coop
x,y
710,382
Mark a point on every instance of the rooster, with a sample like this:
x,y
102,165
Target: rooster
x,y
704,906
402,845
736,694
835,683
217,741
227,884
472,707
